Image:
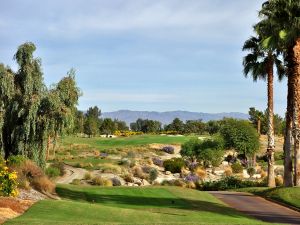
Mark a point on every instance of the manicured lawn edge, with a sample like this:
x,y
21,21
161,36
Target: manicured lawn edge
x,y
266,193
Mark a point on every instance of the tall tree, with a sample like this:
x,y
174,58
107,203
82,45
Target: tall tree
x,y
283,16
29,113
260,63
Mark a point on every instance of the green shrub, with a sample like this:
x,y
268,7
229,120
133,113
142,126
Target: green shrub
x,y
153,174
174,165
15,160
237,168
52,172
230,182
251,171
60,166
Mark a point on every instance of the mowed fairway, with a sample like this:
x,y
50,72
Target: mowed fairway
x,y
133,141
123,205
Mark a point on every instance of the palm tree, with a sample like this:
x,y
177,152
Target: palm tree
x,y
284,17
260,63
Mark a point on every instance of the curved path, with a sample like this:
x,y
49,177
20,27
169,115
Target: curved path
x,y
258,207
71,173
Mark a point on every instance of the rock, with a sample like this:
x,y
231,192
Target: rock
x,y
225,163
168,173
245,174
145,183
135,185
137,181
176,175
257,176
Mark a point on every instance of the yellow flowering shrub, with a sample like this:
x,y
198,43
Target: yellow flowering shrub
x,y
8,182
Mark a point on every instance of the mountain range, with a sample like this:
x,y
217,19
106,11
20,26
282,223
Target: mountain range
x,y
167,117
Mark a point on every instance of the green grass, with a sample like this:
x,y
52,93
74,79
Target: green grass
x,y
289,196
133,141
123,205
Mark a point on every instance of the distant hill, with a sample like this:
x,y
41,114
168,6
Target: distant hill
x,y
167,117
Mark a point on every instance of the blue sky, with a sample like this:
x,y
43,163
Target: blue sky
x,y
156,55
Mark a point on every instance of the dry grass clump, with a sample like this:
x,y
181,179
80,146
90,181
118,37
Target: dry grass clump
x,y
100,181
110,168
138,172
263,174
279,180
228,171
87,176
31,175
179,183
128,178
43,184
191,185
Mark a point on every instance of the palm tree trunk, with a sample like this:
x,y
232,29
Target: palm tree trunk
x,y
271,139
296,117
288,165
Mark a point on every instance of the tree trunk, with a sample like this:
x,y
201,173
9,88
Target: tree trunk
x,y
258,126
296,117
48,147
288,165
271,138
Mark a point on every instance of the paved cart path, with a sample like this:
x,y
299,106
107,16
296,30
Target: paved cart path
x,y
258,207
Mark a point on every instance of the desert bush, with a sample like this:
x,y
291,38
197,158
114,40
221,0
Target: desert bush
x,y
116,182
100,181
153,174
168,149
174,165
192,165
124,162
279,181
43,184
87,176
201,173
131,154
146,169
76,182
158,162
138,172
237,168
128,178
228,171
52,172
251,171
191,178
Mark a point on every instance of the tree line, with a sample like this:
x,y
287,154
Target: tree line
x,y
275,47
